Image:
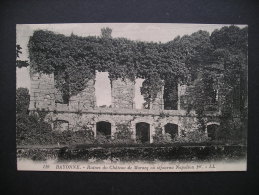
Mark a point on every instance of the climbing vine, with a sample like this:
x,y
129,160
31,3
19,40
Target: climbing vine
x,y
74,59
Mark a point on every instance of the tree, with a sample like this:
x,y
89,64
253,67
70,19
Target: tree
x,y
20,63
22,100
225,68
106,33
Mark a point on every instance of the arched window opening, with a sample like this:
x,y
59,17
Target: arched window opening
x,y
172,129
103,129
212,130
61,125
143,132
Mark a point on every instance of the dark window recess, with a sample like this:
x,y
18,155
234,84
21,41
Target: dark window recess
x,y
211,91
172,129
211,94
62,88
170,95
212,131
143,132
103,129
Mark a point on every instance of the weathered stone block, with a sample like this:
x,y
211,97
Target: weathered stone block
x,y
123,94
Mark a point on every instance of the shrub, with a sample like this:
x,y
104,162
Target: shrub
x,y
82,136
33,130
123,135
160,138
193,136
232,130
22,100
101,139
30,129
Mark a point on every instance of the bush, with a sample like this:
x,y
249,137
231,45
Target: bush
x,y
232,130
31,129
22,100
102,139
160,138
123,135
193,136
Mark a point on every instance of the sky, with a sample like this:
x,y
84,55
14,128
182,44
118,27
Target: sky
x,y
156,32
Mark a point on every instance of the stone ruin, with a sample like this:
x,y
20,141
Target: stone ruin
x,y
82,110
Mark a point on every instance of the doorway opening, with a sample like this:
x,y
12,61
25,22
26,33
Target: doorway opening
x,y
103,129
143,132
171,129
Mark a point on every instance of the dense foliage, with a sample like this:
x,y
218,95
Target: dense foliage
x,y
31,129
20,63
161,138
22,100
212,65
74,59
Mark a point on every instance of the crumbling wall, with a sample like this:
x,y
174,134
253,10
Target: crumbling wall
x,y
85,99
123,94
42,93
76,121
82,111
157,104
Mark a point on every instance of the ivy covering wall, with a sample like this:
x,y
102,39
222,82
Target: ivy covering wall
x,y
194,59
74,59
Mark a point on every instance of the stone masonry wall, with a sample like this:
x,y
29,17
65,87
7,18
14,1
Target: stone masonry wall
x,y
123,94
82,110
76,121
85,99
42,93
157,104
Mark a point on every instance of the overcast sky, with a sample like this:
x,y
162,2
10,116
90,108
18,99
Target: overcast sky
x,y
135,31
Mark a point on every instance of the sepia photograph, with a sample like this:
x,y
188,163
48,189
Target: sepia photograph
x,y
131,97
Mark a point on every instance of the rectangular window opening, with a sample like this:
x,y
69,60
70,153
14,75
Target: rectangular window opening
x,y
61,88
139,100
170,95
103,90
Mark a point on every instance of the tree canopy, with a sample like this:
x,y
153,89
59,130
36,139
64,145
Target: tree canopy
x,y
20,63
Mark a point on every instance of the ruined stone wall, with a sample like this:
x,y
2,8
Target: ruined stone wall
x,y
123,94
85,99
157,104
42,93
75,121
82,111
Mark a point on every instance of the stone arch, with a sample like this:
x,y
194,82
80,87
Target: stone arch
x,y
173,120
172,129
103,128
107,119
211,129
147,120
143,132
